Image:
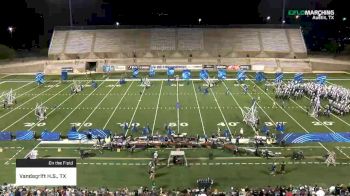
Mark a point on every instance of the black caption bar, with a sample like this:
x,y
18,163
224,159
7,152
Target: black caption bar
x,y
46,163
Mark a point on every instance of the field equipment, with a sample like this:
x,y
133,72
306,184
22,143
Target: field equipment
x,y
250,115
40,112
76,88
145,82
9,98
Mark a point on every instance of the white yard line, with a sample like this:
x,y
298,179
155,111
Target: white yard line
x,y
18,151
261,107
177,109
342,152
290,116
155,115
70,96
23,87
14,90
87,118
137,106
234,99
199,110
32,150
256,131
222,114
32,111
334,114
26,101
312,116
115,109
5,76
81,102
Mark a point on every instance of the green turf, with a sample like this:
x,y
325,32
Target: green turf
x,y
109,105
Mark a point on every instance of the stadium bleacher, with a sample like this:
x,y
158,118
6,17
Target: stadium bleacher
x,y
163,39
230,42
274,40
190,39
79,42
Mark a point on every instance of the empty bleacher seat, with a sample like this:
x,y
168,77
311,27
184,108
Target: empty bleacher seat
x,y
274,40
296,40
57,42
163,39
79,42
190,39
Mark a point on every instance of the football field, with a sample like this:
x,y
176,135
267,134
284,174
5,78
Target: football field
x,y
186,109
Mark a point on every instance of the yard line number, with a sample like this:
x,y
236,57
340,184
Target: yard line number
x,y
327,123
171,124
233,124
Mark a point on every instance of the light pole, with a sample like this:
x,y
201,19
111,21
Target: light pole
x,y
70,13
283,10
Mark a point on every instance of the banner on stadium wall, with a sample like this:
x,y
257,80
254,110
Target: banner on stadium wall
x,y
232,67
119,67
194,67
67,69
221,66
258,67
139,67
245,67
209,67
177,67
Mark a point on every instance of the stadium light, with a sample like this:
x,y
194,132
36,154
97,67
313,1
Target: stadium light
x,y
11,29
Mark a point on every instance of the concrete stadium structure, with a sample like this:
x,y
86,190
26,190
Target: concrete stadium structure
x,y
177,43
277,48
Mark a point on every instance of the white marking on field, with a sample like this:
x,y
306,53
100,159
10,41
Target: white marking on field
x,y
18,151
14,90
259,107
26,101
137,106
87,118
34,109
290,116
222,114
53,109
115,109
177,109
342,152
155,115
76,107
199,110
312,116
334,114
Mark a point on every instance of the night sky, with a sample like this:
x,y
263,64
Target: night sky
x,y
34,20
